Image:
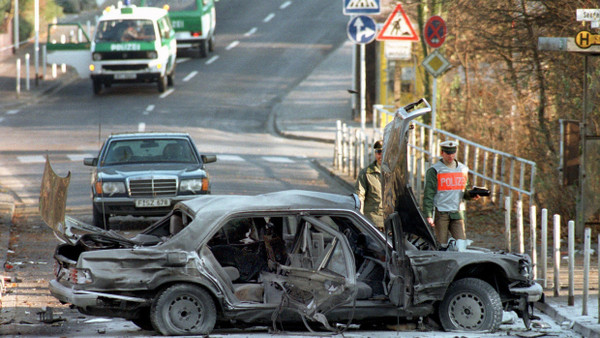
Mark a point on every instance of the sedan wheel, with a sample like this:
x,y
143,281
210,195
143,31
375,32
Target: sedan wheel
x,y
471,304
183,309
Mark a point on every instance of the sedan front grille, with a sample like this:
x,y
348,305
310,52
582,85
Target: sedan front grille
x,y
153,187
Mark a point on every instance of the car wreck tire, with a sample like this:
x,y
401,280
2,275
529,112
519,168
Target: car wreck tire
x,y
471,304
143,320
183,309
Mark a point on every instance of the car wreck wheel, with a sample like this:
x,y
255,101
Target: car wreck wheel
x,y
183,309
471,304
143,320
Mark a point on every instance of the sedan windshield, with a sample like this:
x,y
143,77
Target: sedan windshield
x,y
149,151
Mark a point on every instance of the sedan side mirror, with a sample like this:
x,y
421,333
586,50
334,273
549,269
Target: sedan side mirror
x,y
90,161
209,158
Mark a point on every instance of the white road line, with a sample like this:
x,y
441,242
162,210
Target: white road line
x,y
12,112
32,159
78,157
141,127
229,158
167,93
182,60
232,45
269,17
285,5
190,76
212,59
275,159
150,108
250,32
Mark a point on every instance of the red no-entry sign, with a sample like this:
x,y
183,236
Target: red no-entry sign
x,y
435,31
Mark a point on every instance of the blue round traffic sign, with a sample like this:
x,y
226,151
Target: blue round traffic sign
x,y
435,31
362,29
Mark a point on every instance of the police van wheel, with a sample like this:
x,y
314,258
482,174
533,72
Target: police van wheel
x,y
203,51
211,43
97,86
162,83
170,79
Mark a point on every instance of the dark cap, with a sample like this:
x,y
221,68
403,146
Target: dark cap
x,y
449,147
378,145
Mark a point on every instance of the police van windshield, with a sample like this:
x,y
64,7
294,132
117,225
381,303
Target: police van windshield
x,y
125,31
174,5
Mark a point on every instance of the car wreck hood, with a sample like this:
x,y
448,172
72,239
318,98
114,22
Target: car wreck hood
x,y
397,192
53,201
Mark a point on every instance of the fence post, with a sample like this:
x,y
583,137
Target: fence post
x,y
27,87
586,269
571,235
344,146
350,150
533,239
494,175
476,165
507,235
520,235
337,154
556,253
544,253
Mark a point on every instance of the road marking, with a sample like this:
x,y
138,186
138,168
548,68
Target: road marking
x,y
269,17
149,109
78,157
182,60
32,159
167,93
141,126
12,112
250,32
190,76
229,158
275,159
285,5
212,59
232,45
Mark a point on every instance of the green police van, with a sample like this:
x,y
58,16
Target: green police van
x,y
133,44
194,22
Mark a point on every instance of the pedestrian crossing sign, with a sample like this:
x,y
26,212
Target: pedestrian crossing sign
x,y
362,7
398,27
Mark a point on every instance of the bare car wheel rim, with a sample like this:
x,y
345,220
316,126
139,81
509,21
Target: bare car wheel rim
x,y
467,311
185,312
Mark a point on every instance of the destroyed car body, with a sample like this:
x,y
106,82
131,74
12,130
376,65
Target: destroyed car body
x,y
284,257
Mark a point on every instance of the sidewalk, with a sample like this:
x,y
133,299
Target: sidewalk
x,y
308,112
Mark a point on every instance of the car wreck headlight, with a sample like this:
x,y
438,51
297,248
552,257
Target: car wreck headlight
x,y
111,188
80,276
194,185
524,268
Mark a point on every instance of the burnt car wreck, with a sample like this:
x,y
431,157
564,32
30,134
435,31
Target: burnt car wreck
x,y
289,256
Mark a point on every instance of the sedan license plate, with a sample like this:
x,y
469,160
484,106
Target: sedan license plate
x,y
124,76
152,203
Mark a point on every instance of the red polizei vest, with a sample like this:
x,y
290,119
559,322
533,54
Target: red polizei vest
x,y
451,183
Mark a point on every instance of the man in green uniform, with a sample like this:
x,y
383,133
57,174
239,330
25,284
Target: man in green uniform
x,y
445,190
368,188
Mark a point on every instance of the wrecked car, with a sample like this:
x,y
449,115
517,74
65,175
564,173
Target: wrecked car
x,y
286,257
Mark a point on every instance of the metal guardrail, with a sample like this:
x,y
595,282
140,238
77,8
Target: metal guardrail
x,y
504,174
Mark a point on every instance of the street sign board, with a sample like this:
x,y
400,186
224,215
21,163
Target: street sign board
x,y
398,27
435,31
588,14
563,44
398,50
362,29
585,39
436,64
360,7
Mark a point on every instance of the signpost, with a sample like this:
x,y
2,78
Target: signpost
x,y
435,31
398,27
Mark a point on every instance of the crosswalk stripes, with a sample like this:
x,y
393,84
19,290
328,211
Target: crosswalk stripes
x,y
28,159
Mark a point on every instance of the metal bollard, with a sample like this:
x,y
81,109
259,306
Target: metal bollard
x,y
571,235
544,253
44,59
27,86
507,236
18,79
586,270
520,234
533,239
54,71
556,253
344,146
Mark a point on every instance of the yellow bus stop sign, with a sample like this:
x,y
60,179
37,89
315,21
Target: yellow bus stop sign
x,y
585,39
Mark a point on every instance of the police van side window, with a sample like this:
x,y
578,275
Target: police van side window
x,y
165,29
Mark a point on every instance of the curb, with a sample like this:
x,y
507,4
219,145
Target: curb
x,y
579,328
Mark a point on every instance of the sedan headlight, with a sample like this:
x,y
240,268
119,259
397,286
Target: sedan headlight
x,y
110,188
194,185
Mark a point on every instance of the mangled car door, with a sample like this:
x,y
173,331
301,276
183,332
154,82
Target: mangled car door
x,y
320,273
69,44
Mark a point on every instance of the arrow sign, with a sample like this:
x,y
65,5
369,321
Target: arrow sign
x,y
362,29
